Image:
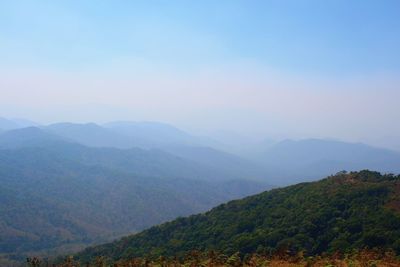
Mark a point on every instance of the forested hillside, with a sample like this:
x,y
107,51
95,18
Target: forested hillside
x,y
58,195
337,214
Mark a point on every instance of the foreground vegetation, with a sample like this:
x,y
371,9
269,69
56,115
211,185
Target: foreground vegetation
x,y
349,219
340,214
362,258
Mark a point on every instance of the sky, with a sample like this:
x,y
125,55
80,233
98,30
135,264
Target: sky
x,y
273,69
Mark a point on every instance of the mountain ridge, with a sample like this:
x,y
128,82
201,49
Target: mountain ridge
x,y
56,193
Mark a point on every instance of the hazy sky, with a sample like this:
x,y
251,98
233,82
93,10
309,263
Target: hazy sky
x,y
267,68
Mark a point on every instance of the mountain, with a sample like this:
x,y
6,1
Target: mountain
x,y
279,163
23,123
178,162
158,137
30,136
297,161
8,124
337,214
91,134
226,163
59,195
156,134
126,134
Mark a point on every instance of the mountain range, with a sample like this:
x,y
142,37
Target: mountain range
x,y
59,195
280,162
65,186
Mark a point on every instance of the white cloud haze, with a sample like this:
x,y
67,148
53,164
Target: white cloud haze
x,y
247,99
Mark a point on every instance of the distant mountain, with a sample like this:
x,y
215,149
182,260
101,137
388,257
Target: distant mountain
x,y
58,194
338,214
9,124
22,123
30,136
295,161
152,162
155,134
161,137
126,134
178,162
91,134
244,146
227,163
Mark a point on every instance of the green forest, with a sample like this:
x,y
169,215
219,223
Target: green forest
x,y
342,213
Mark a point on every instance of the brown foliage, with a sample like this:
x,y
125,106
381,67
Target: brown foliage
x,y
364,258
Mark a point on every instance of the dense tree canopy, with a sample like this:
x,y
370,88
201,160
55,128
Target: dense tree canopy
x,y
340,213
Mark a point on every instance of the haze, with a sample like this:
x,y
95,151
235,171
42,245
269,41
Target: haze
x,y
324,69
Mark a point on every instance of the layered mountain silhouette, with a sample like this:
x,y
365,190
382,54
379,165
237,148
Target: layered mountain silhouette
x,y
57,194
67,185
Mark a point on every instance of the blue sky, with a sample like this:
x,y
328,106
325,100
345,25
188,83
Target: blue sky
x,y
292,68
323,37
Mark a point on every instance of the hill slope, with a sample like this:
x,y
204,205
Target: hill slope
x,y
339,213
55,193
47,200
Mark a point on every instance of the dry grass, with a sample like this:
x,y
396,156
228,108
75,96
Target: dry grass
x,y
365,258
